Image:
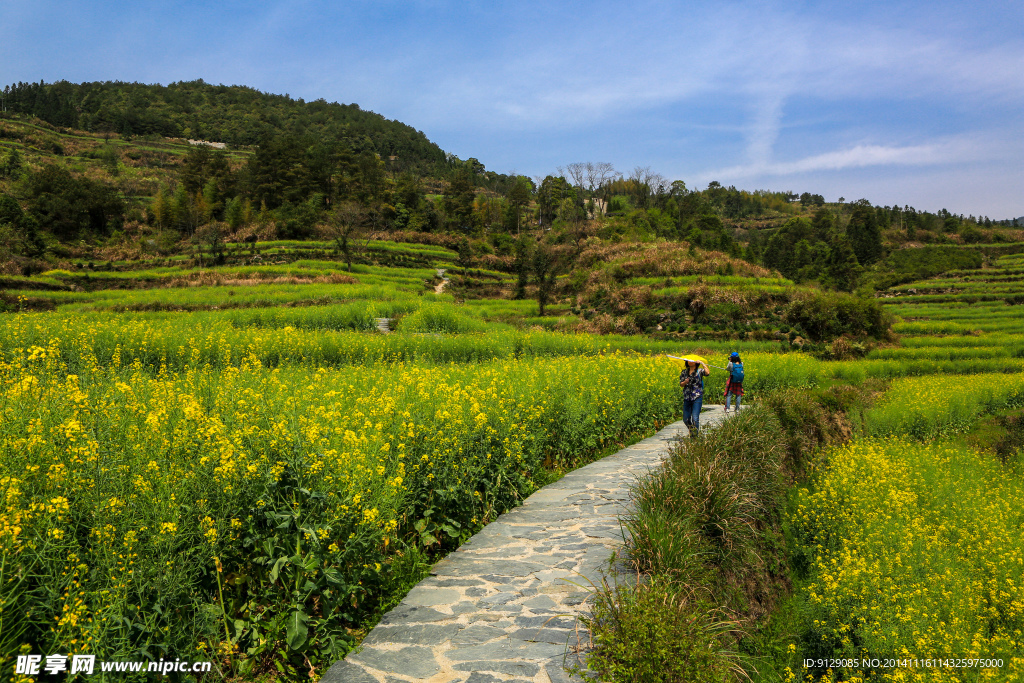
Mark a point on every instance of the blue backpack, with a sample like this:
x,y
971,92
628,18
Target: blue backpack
x,y
736,374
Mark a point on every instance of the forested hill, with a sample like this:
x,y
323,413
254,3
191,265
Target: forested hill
x,y
234,114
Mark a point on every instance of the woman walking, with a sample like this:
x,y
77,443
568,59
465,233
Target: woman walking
x,y
734,384
691,379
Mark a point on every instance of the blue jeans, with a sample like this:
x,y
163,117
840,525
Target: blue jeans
x,y
691,414
728,400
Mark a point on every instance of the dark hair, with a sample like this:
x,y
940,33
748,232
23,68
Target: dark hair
x,y
735,359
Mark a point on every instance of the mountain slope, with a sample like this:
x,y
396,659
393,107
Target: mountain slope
x,y
236,115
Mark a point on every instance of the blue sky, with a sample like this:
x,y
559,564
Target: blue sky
x,y
917,103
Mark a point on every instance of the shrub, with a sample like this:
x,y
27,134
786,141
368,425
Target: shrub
x,y
646,318
440,318
826,316
660,631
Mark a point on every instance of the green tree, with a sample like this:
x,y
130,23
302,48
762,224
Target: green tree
x,y
372,184
12,165
754,248
546,265
187,214
195,169
211,237
69,207
458,199
204,210
864,234
111,159
519,198
18,232
842,271
951,223
213,207
574,215
521,265
345,225
10,210
823,222
326,162
234,213
550,195
781,251
162,208
277,172
465,253
409,192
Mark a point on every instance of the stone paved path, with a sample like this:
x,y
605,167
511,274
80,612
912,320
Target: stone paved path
x,y
439,288
503,607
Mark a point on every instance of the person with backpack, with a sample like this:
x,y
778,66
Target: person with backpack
x,y
734,384
691,379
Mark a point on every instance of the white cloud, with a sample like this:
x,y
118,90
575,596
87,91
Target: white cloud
x,y
954,150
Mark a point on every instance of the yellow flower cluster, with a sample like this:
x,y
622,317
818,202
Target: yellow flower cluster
x,y
917,553
134,468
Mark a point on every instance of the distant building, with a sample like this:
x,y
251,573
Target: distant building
x,y
215,145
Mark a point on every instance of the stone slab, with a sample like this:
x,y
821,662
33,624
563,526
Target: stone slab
x,y
415,662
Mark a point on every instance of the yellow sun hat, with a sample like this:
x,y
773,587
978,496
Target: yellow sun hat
x,y
693,358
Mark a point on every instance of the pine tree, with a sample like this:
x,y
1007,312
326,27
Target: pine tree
x,y
233,213
162,209
12,165
864,234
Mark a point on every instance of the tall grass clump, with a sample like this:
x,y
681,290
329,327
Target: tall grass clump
x,y
705,535
914,551
685,636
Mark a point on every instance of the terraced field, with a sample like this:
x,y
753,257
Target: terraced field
x,y
904,537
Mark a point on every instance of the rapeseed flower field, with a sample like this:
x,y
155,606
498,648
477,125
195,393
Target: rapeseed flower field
x,y
249,482
910,539
915,552
198,510
942,405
